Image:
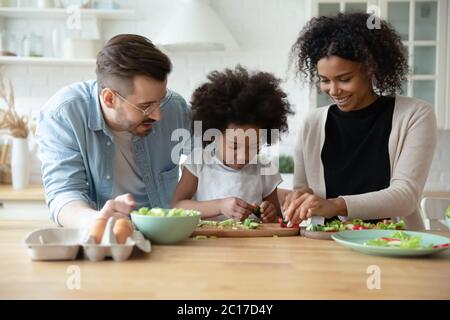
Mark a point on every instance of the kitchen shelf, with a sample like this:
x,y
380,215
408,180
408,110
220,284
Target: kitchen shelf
x,y
46,61
55,13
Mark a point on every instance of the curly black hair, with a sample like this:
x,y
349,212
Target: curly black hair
x,y
379,50
237,96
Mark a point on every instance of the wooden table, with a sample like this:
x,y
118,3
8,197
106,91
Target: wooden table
x,y
246,268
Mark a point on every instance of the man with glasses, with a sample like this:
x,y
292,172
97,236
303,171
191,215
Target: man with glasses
x,y
105,145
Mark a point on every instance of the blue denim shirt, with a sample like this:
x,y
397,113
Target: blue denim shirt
x,y
77,150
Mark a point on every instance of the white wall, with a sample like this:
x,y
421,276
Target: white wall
x,y
264,29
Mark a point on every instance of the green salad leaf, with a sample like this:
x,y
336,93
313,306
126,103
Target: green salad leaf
x,y
356,224
400,235
377,243
160,212
412,243
399,239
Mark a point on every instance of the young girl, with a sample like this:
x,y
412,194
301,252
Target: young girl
x,y
229,180
367,155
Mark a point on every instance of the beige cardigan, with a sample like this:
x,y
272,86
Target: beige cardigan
x,y
411,147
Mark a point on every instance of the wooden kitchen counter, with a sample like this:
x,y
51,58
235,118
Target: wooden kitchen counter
x,y
245,268
30,193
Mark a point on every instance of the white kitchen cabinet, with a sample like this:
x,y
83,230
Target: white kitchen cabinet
x,y
23,210
26,204
425,31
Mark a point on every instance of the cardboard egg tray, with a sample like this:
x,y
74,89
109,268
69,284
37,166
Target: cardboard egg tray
x,y
65,244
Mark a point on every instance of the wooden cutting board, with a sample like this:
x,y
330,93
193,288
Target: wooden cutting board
x,y
264,230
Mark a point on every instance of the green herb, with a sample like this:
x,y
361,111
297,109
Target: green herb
x,y
208,223
250,224
230,224
226,223
257,211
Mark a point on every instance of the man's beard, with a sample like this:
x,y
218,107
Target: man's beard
x,y
144,128
136,130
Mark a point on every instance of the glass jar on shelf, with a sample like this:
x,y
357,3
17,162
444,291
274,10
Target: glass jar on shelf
x,y
36,45
25,46
10,45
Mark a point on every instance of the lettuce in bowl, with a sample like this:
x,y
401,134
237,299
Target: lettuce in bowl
x,y
160,212
165,226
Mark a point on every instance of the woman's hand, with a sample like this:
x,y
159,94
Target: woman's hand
x,y
268,212
235,208
308,205
293,195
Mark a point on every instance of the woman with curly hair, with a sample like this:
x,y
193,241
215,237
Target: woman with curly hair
x,y
368,154
230,181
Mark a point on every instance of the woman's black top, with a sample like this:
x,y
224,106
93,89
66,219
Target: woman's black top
x,y
355,153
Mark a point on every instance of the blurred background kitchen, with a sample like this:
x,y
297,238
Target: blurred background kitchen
x,y
48,44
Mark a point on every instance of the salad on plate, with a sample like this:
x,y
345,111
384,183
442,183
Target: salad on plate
x,y
356,224
399,239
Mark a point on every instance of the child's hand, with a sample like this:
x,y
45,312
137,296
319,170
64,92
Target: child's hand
x,y
268,212
235,208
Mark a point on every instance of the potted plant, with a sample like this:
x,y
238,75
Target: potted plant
x,y
17,127
286,169
447,215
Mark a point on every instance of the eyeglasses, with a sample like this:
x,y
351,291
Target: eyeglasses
x,y
147,111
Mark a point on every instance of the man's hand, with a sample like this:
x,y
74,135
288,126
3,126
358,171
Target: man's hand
x,y
235,208
120,207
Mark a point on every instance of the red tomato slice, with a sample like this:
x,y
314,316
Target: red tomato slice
x,y
389,239
438,246
284,224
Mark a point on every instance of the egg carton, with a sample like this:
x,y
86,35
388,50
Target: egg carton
x,y
64,244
